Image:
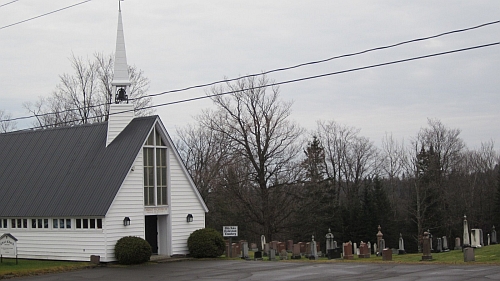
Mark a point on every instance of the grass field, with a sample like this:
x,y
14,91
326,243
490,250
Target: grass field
x,y
484,255
8,267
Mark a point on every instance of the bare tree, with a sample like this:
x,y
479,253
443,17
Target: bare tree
x,y
84,96
260,136
5,124
350,158
393,160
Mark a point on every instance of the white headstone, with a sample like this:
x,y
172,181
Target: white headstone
x,y
466,239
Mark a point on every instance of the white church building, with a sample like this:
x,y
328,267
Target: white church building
x,y
71,192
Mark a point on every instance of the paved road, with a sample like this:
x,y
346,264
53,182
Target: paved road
x,y
274,271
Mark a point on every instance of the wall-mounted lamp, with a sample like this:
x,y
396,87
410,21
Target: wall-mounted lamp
x,y
126,221
189,218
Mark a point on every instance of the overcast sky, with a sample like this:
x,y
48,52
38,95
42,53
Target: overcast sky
x,y
184,43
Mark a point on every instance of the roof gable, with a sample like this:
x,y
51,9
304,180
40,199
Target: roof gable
x,y
66,171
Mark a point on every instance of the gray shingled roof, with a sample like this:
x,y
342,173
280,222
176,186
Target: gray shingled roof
x,y
66,171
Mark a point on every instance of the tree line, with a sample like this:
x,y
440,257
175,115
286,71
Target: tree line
x,y
257,169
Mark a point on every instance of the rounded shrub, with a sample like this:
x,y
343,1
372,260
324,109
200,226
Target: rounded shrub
x,y
206,243
132,250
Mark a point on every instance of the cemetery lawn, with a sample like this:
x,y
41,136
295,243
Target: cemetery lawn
x,y
8,267
484,255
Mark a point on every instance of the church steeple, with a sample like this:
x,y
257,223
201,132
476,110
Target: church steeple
x,y
120,113
121,80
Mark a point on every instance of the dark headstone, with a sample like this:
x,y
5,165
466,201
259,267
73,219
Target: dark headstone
x,y
257,255
469,254
426,247
296,252
364,252
348,251
387,254
335,253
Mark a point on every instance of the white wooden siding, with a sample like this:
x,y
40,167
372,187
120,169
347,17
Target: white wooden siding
x,y
118,122
184,201
129,202
63,244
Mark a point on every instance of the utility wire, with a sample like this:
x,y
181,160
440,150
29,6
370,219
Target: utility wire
x,y
278,69
297,80
325,60
39,16
8,3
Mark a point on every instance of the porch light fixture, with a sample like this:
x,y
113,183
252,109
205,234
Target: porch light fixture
x,y
126,221
189,218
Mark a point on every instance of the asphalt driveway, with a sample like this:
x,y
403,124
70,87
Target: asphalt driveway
x,y
270,271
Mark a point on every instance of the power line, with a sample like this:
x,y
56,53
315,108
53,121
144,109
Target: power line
x,y
302,79
39,16
8,3
278,69
326,60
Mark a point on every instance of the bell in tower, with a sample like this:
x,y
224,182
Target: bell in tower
x,y
121,95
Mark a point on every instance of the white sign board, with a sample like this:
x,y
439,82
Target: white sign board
x,y
230,231
8,245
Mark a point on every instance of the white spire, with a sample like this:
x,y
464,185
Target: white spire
x,y
120,77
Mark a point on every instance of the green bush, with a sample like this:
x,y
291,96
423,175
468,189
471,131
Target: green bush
x,y
206,243
132,250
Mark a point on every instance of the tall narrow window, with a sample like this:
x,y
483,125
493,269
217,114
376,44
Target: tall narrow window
x,y
155,170
149,177
161,176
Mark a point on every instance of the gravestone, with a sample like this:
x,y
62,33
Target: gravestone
x,y
296,252
375,249
244,248
253,247
281,246
469,255
445,244
489,240
308,249
314,250
364,251
475,238
426,247
401,250
262,242
439,247
430,239
493,236
266,249
289,246
329,240
386,254
274,245
283,255
458,246
272,254
466,237
381,246
337,253
355,249
257,255
236,250
302,246
369,244
379,235
348,251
